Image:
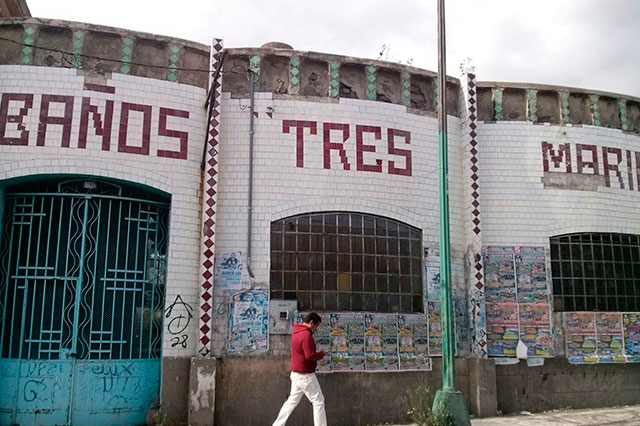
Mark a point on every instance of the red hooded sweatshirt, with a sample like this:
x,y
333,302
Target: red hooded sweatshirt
x,y
303,350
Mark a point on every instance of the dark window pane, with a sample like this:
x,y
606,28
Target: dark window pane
x,y
394,265
405,303
369,302
405,265
381,284
381,227
369,245
356,302
316,281
343,224
289,280
317,243
303,224
369,283
317,301
330,224
416,248
416,267
356,224
394,303
381,245
356,263
277,226
289,242
331,281
331,301
304,301
369,225
381,264
382,302
276,241
392,246
356,244
304,280
304,262
276,280
405,248
369,264
356,282
405,284
394,284
344,301
392,229
316,224
303,242
330,244
289,261
344,263
276,261
344,244
316,263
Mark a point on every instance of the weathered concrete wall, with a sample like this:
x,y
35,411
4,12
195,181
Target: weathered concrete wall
x,y
557,105
102,50
289,72
174,393
559,384
255,389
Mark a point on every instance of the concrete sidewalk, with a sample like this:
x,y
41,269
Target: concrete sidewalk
x,y
617,416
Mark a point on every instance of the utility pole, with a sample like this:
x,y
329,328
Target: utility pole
x,y
447,399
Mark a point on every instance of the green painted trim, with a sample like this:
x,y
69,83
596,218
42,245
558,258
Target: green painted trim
x,y
371,82
406,89
254,67
78,44
497,103
436,88
127,50
294,72
27,50
173,63
595,109
564,105
622,108
334,79
532,107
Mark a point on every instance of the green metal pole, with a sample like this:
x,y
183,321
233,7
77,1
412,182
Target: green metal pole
x,y
447,399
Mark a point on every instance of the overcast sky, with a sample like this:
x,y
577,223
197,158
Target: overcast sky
x,y
580,43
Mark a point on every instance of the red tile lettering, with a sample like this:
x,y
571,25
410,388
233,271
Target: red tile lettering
x,y
361,148
339,146
124,128
300,126
392,133
27,102
102,128
163,131
64,121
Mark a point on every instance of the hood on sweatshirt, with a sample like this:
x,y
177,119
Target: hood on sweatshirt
x,y
299,328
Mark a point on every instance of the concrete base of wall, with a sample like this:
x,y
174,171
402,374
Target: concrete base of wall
x,y
559,384
202,391
255,389
175,388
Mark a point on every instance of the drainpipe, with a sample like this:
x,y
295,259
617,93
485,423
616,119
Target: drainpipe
x,y
252,76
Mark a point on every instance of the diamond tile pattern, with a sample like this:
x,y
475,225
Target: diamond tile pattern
x,y
209,206
173,63
371,86
334,82
406,89
476,296
595,109
532,108
564,102
622,107
254,66
78,42
294,72
27,51
126,55
497,104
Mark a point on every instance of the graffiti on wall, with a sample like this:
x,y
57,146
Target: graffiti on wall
x,y
178,315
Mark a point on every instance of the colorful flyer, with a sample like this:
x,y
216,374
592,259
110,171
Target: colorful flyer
x,y
347,342
432,281
502,329
435,329
609,342
535,328
631,324
381,341
228,270
413,342
322,336
500,279
580,332
531,275
249,322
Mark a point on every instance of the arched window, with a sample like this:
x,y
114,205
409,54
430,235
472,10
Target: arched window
x,y
348,262
596,272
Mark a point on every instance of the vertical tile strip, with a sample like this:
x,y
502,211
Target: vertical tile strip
x,y
173,63
209,205
78,43
532,107
127,50
622,108
254,66
294,75
497,104
27,50
371,83
595,109
436,88
406,89
476,290
564,106
334,79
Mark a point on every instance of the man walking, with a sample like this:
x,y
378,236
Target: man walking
x,y
304,358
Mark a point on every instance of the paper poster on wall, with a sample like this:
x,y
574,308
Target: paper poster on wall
x,y
249,321
432,282
381,342
580,335
609,342
502,328
500,280
413,342
435,328
631,324
322,336
461,324
535,328
531,275
347,342
228,270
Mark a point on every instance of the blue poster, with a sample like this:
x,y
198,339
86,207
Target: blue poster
x,y
249,322
228,270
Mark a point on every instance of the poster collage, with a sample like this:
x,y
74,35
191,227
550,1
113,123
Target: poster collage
x,y
517,301
602,337
371,341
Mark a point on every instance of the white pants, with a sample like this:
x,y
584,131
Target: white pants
x,y
304,384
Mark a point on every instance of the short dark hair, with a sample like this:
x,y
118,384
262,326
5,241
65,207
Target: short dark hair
x,y
312,316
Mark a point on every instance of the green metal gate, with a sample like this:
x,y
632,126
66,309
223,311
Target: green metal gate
x,y
82,284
